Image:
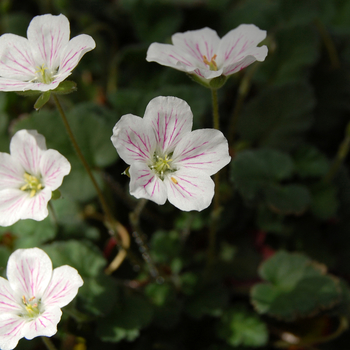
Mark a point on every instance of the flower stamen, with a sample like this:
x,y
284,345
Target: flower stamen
x,y
33,184
161,165
212,64
174,180
32,310
43,75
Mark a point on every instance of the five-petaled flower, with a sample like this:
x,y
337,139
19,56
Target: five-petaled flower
x,y
43,60
204,55
167,160
28,176
32,296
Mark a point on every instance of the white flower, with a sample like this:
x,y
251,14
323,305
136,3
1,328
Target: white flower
x,y
167,160
203,54
43,60
32,296
28,176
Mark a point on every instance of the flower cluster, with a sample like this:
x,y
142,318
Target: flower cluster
x,y
32,296
168,160
28,176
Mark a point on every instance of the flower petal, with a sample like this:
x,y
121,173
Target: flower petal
x,y
8,300
189,189
171,119
16,59
237,45
62,288
48,35
145,184
11,330
28,146
12,204
198,43
35,207
29,272
11,172
134,139
72,54
53,167
16,85
204,149
44,325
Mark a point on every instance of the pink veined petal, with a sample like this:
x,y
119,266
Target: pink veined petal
x,y
145,184
73,52
11,172
27,146
16,59
44,325
240,43
35,207
11,330
62,288
48,35
134,139
29,272
12,204
198,43
53,167
236,67
189,189
203,149
8,300
16,85
171,119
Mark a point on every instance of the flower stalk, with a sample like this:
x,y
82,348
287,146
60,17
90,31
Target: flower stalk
x,y
112,224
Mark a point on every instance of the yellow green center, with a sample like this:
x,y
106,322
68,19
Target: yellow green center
x,y
43,75
162,165
32,185
31,307
212,64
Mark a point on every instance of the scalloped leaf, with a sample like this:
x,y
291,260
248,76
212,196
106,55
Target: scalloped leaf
x,y
295,287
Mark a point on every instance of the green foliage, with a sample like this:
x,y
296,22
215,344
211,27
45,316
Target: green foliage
x,y
295,287
239,326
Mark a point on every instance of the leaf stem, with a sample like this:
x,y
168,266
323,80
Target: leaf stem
x,y
113,225
216,206
343,151
48,343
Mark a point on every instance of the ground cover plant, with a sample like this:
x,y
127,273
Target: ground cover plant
x,y
174,174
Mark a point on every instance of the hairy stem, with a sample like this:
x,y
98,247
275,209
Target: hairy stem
x,y
343,151
115,227
48,343
216,206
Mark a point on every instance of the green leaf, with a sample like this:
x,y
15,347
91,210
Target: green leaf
x,y
278,117
238,326
209,300
129,315
252,170
30,233
165,246
85,257
42,100
288,199
324,200
309,162
295,287
65,87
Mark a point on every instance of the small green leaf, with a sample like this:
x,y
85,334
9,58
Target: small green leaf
x,y
295,287
129,315
288,199
165,246
66,87
238,326
30,233
253,170
309,162
42,100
